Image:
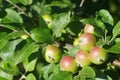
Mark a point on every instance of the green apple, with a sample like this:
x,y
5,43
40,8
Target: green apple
x,y
98,55
52,54
68,63
82,58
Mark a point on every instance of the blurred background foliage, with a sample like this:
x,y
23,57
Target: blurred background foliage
x,y
88,9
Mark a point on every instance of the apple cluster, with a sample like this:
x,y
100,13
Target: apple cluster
x,y
89,52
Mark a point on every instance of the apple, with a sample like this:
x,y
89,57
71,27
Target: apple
x,y
88,28
98,55
86,41
68,63
52,54
82,58
48,19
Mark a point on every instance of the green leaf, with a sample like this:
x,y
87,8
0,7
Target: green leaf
x,y
116,30
99,26
87,73
26,2
62,4
59,23
2,78
25,52
11,27
12,17
105,16
8,67
114,48
74,50
41,34
29,65
46,70
7,52
5,76
6,38
62,75
30,76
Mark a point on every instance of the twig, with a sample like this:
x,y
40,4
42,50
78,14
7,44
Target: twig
x,y
81,3
16,7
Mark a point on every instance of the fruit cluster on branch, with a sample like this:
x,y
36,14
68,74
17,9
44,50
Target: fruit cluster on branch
x,y
88,54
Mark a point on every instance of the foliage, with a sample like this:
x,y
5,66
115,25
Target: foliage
x,y
24,35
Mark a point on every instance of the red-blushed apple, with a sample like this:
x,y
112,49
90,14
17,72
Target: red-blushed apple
x,y
52,54
88,28
82,58
98,55
87,41
68,63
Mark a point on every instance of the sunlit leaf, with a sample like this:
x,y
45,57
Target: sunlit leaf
x,y
7,52
8,67
61,76
12,17
105,16
41,34
29,65
116,29
87,73
30,77
26,2
59,23
12,35
25,52
114,48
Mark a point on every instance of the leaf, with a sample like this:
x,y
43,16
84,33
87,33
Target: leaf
x,y
62,4
25,52
26,2
8,67
29,66
105,16
30,76
11,27
41,34
6,76
62,75
59,23
7,52
87,73
12,17
46,70
73,51
4,40
116,30
114,48
99,26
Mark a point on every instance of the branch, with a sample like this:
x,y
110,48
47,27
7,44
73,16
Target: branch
x,y
81,3
16,7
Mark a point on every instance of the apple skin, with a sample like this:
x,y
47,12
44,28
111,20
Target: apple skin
x,y
68,63
87,41
98,55
52,54
82,58
88,28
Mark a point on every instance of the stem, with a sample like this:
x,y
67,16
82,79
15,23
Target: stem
x,y
16,7
81,3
